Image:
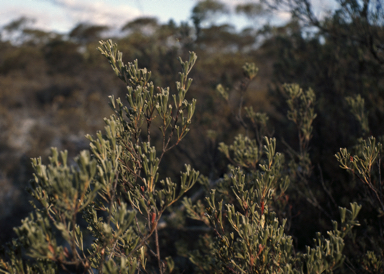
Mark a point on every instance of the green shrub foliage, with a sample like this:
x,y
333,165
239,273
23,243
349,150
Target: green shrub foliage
x,y
103,212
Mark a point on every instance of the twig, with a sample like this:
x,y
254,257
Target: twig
x,y
158,251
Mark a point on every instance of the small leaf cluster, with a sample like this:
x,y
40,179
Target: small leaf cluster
x,y
356,105
364,165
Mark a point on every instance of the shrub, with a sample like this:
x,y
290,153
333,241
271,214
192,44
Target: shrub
x,y
104,213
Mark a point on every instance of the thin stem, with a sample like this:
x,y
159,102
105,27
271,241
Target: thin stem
x,y
158,252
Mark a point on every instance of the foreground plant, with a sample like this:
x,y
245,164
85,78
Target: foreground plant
x,y
247,236
114,188
102,214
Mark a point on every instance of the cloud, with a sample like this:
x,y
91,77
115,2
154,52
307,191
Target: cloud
x,y
63,15
40,19
97,12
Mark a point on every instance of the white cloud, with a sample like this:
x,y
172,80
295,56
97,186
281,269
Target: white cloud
x,y
63,15
322,8
97,12
40,19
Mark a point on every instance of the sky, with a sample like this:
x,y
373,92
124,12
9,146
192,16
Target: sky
x,y
62,15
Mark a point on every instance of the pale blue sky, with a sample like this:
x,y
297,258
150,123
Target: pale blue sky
x,y
62,15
